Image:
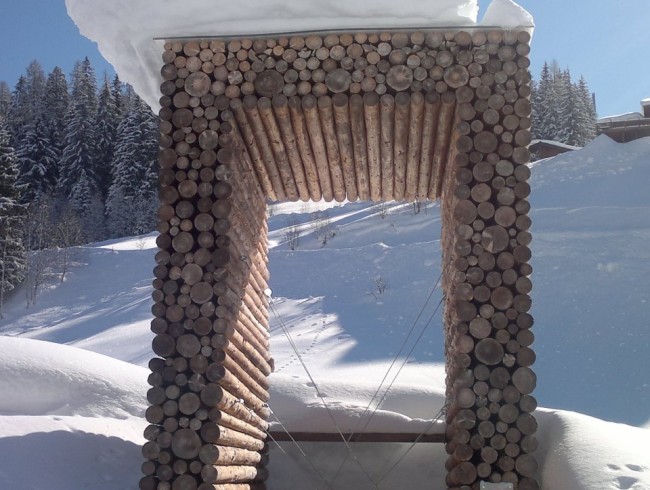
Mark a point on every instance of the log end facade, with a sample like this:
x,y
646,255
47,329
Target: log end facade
x,y
373,116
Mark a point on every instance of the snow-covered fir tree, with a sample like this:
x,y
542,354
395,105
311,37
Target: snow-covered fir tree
x,y
535,115
18,113
562,111
547,99
36,82
117,90
566,109
78,179
132,199
65,148
5,101
585,114
55,108
37,161
108,118
26,103
12,252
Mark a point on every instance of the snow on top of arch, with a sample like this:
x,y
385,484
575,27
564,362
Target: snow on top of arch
x,y
506,13
125,30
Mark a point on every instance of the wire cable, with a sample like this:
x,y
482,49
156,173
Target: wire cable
x,y
295,443
318,392
437,417
404,343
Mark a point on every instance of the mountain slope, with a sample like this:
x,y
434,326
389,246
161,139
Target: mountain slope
x,y
349,305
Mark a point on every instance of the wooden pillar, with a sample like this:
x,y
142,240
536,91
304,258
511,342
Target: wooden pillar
x,y
490,426
370,116
209,386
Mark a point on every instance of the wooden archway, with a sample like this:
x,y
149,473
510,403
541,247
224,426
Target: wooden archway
x,y
368,115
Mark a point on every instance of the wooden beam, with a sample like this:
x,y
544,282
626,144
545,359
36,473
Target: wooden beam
x,y
405,437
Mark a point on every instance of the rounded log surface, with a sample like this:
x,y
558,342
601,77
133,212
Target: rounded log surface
x,y
269,83
502,298
486,142
186,444
208,139
188,345
524,380
197,84
456,76
489,352
201,292
399,77
182,118
465,212
463,474
494,239
338,80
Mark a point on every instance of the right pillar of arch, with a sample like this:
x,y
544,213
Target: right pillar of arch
x,y
485,242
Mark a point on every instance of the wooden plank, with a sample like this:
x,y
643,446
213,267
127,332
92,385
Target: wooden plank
x,y
405,437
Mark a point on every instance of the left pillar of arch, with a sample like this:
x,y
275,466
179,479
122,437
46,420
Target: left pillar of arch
x,y
209,385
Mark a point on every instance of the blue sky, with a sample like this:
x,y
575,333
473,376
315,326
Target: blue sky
x,y
606,41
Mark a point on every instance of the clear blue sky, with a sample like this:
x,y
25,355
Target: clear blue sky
x,y
607,41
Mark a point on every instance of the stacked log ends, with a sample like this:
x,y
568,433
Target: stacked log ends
x,y
392,96
373,116
491,428
209,386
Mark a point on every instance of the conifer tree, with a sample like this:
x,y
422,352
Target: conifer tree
x,y
106,130
78,180
585,114
18,114
55,109
5,101
563,111
36,81
564,107
37,162
26,103
132,198
117,90
12,252
547,100
535,116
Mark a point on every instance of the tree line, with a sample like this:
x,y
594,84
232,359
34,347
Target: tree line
x,y
563,111
78,160
77,164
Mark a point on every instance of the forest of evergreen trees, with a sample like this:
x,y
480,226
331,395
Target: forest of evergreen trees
x,y
563,111
78,161
77,164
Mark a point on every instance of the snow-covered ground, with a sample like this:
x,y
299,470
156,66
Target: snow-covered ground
x,y
78,413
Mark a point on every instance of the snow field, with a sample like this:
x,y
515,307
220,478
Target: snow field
x,y
71,408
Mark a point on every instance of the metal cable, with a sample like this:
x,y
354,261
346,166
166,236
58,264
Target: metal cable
x,y
318,392
437,417
309,461
408,336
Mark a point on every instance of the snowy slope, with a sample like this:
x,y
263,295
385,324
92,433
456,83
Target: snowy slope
x,y
100,449
69,418
591,229
591,226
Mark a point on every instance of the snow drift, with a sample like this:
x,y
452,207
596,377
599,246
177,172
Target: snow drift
x,y
44,378
79,413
